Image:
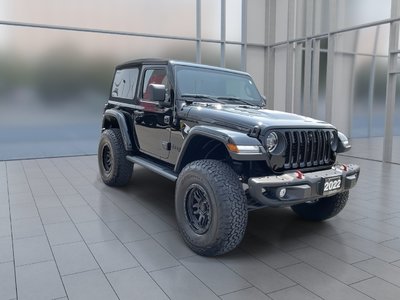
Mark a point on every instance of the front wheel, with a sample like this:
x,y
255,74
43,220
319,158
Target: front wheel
x,y
323,208
210,207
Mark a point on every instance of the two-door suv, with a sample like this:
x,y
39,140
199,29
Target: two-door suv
x,y
205,128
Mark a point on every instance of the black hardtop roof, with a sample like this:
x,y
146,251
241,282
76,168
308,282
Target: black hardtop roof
x,y
158,61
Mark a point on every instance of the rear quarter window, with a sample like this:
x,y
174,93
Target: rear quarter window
x,y
124,84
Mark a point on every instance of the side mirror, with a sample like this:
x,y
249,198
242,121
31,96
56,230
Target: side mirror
x,y
157,92
264,100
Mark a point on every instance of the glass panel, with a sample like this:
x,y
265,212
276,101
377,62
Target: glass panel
x,y
396,126
211,19
153,76
211,54
137,16
322,80
54,84
256,21
300,26
356,12
232,56
321,16
281,20
124,85
363,74
233,20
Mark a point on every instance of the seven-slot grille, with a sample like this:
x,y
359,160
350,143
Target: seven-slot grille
x,y
308,148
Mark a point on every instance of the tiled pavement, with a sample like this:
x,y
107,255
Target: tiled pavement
x,y
65,234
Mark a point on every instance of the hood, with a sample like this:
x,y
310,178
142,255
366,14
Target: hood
x,y
243,118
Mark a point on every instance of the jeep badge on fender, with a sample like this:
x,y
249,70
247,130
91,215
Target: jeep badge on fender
x,y
206,129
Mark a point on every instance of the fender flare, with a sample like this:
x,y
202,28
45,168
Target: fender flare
x,y
122,124
225,136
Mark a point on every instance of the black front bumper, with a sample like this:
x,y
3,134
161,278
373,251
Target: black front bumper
x,y
293,188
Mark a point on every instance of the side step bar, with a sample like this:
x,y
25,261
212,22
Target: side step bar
x,y
152,166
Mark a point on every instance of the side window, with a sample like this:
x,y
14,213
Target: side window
x,y
156,76
124,85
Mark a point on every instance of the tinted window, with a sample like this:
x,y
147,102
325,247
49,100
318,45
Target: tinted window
x,y
124,85
156,76
216,83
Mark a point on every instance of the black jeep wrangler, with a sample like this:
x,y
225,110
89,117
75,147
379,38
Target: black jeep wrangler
x,y
205,128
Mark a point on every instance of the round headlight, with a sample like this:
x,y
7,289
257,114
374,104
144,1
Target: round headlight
x,y
333,140
271,141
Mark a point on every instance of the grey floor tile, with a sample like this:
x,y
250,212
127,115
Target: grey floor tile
x,y
294,293
32,250
381,269
378,289
30,227
88,285
151,223
22,198
113,256
74,258
39,281
369,247
173,242
335,248
127,231
151,255
218,277
330,265
394,244
72,200
109,212
82,213
23,210
267,253
19,188
5,229
394,221
4,211
95,231
249,293
7,281
254,271
178,283
380,226
6,251
52,215
135,284
62,233
321,284
47,201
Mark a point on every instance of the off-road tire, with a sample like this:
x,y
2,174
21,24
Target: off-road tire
x,y
228,209
323,209
115,170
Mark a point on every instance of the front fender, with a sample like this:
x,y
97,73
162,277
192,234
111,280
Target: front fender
x,y
226,137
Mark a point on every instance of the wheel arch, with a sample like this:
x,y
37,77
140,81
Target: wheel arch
x,y
207,142
113,118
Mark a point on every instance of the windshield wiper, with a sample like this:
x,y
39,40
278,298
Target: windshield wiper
x,y
201,96
237,99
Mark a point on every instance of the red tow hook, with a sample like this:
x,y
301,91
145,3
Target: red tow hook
x,y
344,167
299,174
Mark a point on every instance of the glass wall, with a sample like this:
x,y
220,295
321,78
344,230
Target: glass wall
x,y
307,56
338,71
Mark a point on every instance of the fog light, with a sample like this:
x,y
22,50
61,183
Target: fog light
x,y
282,193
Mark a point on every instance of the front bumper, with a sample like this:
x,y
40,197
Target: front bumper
x,y
293,188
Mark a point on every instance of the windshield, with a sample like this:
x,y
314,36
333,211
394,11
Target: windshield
x,y
225,86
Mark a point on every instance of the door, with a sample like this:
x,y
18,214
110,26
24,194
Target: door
x,y
152,122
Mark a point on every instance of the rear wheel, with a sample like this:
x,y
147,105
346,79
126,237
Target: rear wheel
x,y
322,209
210,207
115,170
